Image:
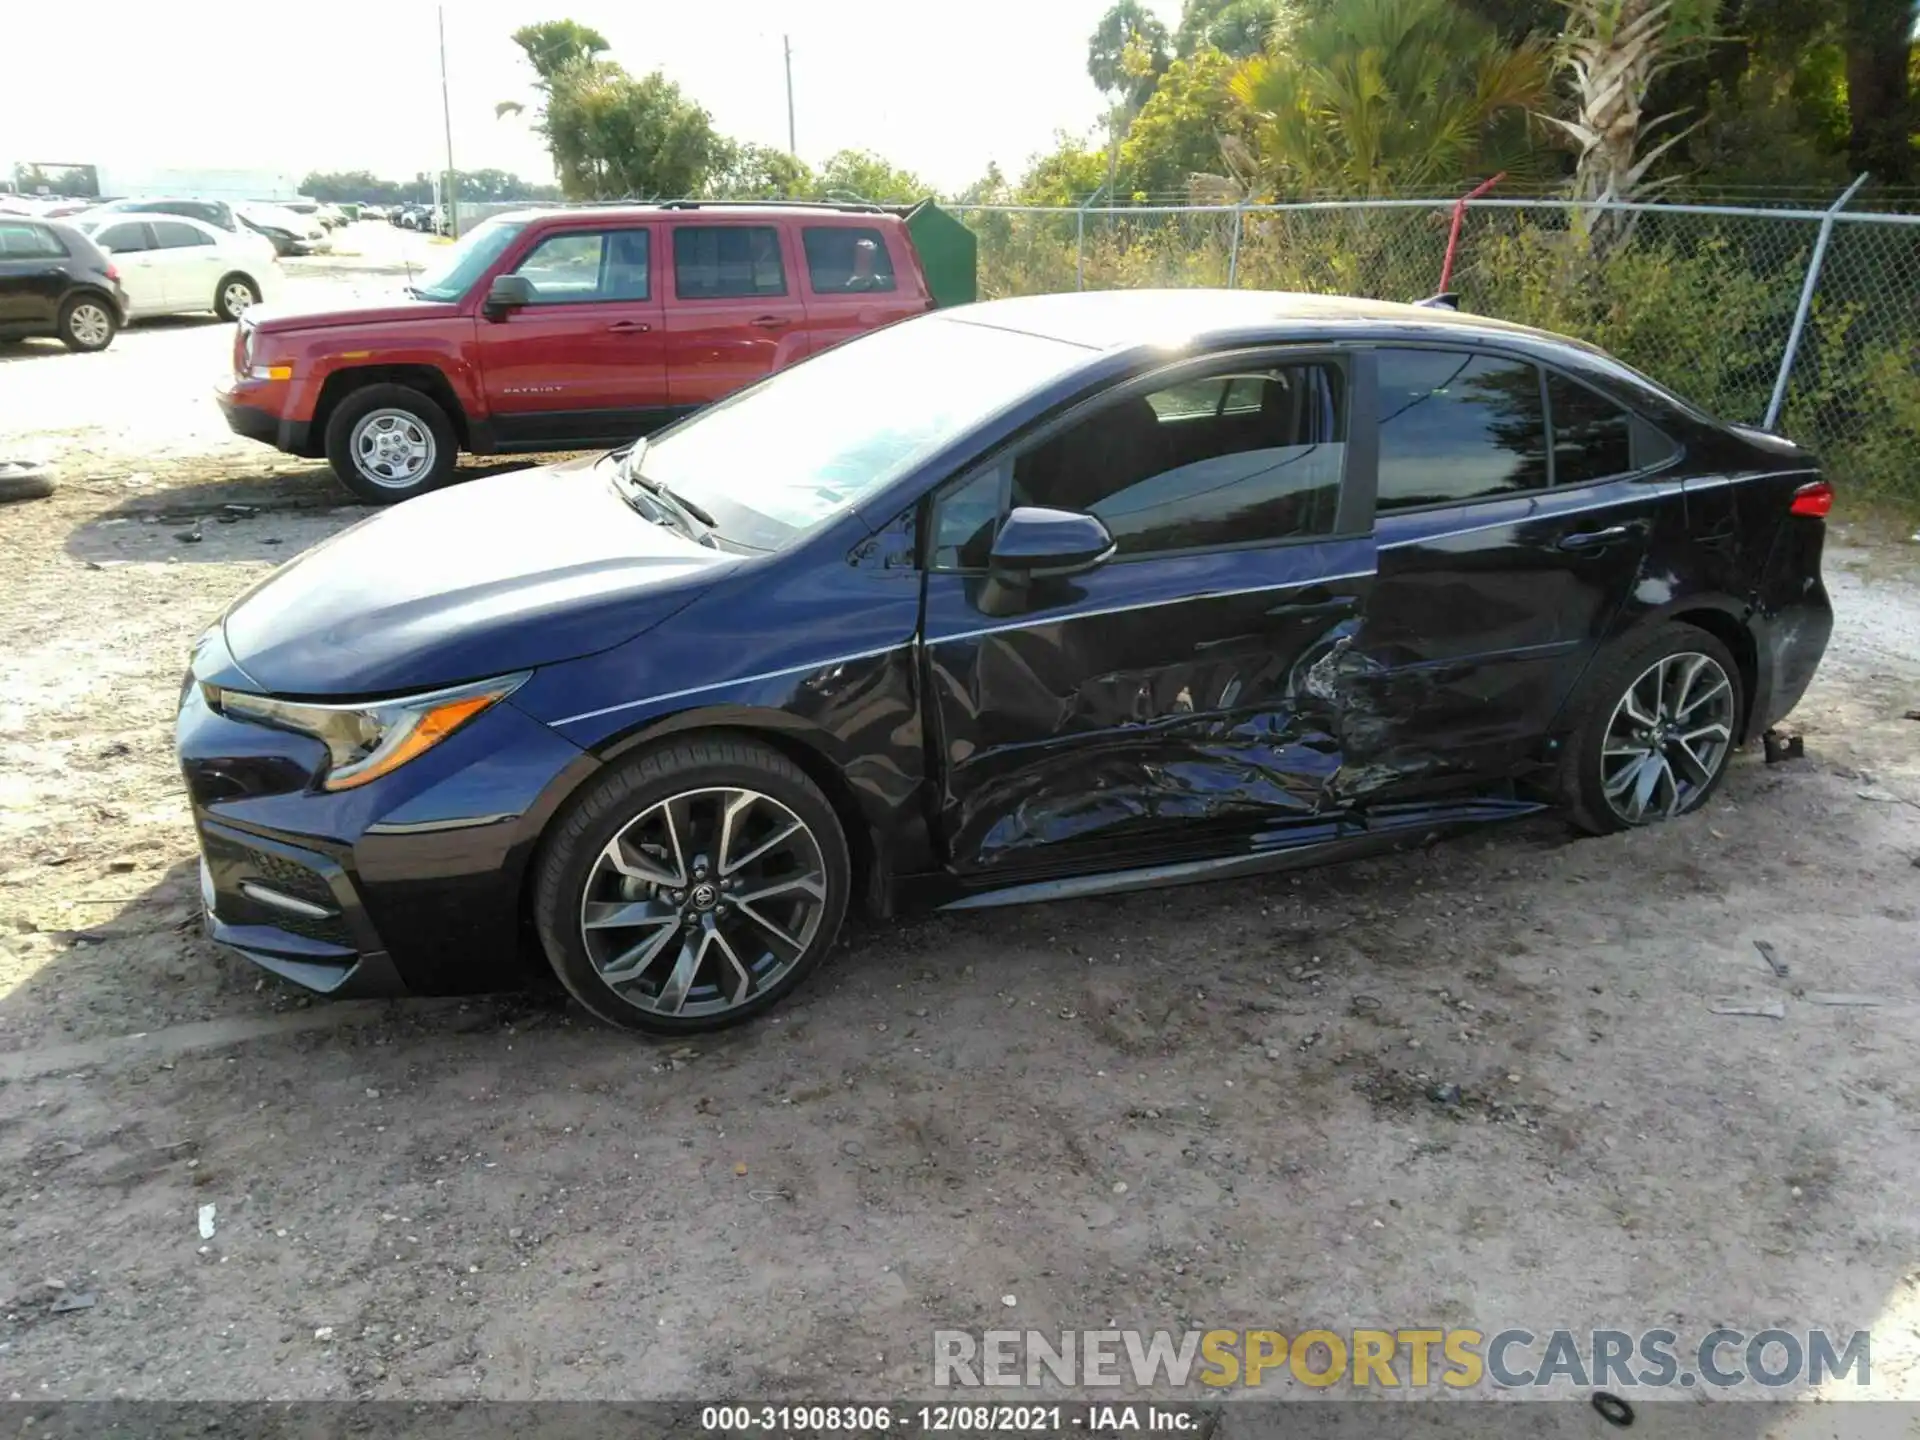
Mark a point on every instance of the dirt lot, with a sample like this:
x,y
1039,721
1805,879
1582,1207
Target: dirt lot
x,y
1216,1107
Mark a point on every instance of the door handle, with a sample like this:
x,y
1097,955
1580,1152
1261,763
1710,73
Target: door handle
x,y
770,322
1595,539
629,327
1313,608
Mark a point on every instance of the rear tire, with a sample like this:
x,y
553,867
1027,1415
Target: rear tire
x,y
88,324
1657,731
389,443
235,294
692,887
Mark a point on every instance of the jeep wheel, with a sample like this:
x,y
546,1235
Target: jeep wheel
x,y
388,443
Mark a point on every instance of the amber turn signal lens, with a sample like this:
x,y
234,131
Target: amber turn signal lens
x,y
429,730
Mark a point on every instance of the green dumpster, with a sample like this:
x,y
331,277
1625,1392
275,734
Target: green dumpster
x,y
948,253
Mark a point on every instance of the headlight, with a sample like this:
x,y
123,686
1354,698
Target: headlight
x,y
367,741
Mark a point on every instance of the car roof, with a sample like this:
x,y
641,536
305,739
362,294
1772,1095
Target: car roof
x,y
1125,319
729,209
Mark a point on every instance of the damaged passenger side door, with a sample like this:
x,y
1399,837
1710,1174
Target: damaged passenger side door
x,y
1176,699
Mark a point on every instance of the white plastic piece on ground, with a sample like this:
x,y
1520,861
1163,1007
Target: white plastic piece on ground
x,y
206,1222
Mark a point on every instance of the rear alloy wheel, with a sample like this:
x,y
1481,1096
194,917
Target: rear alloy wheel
x,y
1657,739
389,443
692,888
87,324
236,294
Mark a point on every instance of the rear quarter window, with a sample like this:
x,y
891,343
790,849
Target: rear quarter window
x,y
22,241
847,259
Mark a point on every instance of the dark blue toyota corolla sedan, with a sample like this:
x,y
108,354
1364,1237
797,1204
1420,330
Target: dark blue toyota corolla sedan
x,y
1027,600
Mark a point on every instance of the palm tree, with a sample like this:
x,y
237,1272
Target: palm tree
x,y
1369,97
1614,50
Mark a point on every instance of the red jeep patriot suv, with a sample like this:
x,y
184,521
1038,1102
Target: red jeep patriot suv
x,y
579,329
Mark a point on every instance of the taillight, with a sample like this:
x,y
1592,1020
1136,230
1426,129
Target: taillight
x,y
113,273
1814,498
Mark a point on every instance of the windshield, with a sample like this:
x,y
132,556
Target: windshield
x,y
778,459
468,260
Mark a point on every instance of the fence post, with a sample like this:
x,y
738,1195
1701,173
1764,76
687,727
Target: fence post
x,y
1779,399
1233,254
1080,237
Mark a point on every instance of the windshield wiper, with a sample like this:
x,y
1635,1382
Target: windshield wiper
x,y
630,472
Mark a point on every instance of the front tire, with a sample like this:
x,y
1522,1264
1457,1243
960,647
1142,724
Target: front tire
x,y
235,294
1658,733
692,887
389,443
88,324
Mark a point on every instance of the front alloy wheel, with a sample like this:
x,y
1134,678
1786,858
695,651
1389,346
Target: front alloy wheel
x,y
692,885
704,900
1669,738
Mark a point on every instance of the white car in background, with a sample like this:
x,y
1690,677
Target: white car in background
x,y
173,265
291,232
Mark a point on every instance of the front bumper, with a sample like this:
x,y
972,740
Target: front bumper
x,y
233,396
410,884
294,912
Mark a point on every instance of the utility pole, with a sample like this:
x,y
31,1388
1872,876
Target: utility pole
x,y
786,43
452,190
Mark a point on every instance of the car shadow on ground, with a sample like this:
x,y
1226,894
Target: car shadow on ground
x,y
272,514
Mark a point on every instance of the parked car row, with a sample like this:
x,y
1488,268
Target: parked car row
x,y
430,218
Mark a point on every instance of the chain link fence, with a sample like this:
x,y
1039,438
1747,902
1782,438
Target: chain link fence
x,y
1712,301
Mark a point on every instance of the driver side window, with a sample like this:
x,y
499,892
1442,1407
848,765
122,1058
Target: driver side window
x,y
1248,454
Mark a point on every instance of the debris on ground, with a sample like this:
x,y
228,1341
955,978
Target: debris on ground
x,y
1781,745
1771,956
72,1300
1830,997
1765,1009
206,1222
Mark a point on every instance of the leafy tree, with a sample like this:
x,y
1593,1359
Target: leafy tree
x,y
1239,28
1879,47
864,175
557,45
1128,52
1177,132
759,172
1374,97
613,136
1065,175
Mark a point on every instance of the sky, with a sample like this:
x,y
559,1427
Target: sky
x,y
354,84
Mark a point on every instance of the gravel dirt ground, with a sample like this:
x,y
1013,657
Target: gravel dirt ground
x,y
1225,1106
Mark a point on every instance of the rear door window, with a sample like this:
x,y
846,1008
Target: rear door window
x,y
1457,426
172,235
847,259
127,236
717,262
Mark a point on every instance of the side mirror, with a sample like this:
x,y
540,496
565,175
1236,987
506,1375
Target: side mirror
x,y
508,292
1041,544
